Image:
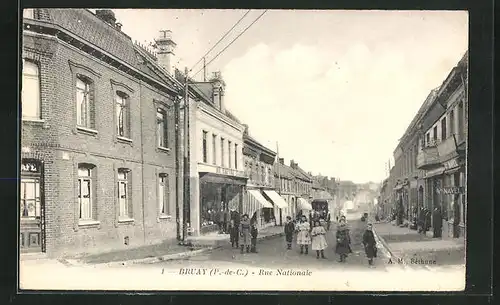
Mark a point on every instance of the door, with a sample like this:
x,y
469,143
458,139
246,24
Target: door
x,y
31,215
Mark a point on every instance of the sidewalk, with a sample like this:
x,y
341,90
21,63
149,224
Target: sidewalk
x,y
163,252
406,243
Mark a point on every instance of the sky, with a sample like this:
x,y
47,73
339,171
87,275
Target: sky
x,y
333,90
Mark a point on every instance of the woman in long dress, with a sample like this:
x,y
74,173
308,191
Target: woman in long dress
x,y
245,228
303,236
319,244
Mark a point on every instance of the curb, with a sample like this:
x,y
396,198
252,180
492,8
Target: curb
x,y
157,259
384,245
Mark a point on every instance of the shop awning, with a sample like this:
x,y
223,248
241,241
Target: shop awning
x,y
220,179
277,199
260,199
302,204
434,172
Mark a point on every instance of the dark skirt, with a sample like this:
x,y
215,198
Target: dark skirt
x,y
342,248
371,251
289,237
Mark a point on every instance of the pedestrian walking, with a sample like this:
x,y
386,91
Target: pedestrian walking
x,y
328,221
234,234
303,235
245,229
343,247
254,232
319,244
227,221
369,244
289,230
220,218
437,223
421,221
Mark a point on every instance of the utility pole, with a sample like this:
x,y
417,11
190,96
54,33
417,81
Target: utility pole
x,y
177,166
279,178
186,197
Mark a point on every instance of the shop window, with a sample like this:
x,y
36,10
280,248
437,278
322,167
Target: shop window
x,y
86,196
161,128
30,95
30,197
122,108
124,188
164,195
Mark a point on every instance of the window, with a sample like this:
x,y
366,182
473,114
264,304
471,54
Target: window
x,y
269,175
85,192
161,128
214,149
30,197
164,195
461,118
435,134
427,139
222,152
29,13
83,102
123,193
452,122
229,164
263,174
443,129
205,134
250,170
122,107
30,95
236,156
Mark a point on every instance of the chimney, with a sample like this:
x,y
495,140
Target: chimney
x,y
246,129
218,86
107,16
165,51
282,161
293,164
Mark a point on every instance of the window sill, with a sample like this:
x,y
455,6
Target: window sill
x,y
165,217
33,120
124,140
163,149
86,130
126,220
89,223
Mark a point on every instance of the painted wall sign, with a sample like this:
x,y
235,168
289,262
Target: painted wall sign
x,y
451,190
229,172
31,167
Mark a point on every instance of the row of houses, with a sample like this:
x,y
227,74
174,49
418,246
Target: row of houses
x,y
103,144
430,160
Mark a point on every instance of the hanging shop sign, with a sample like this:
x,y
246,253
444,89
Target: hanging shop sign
x,y
451,164
30,167
451,190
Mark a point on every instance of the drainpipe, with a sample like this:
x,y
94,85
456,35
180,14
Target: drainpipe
x,y
177,167
142,167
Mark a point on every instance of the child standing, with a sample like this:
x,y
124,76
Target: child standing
x,y
318,239
254,232
303,237
369,244
289,230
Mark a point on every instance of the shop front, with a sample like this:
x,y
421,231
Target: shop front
x,y
303,207
453,194
258,208
280,206
32,208
220,197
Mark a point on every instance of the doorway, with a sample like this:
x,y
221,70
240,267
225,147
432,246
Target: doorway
x,y
32,210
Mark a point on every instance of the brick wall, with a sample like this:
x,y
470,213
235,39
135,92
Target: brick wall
x,y
67,146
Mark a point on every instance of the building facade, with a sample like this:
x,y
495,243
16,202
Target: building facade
x,y
262,202
98,137
286,187
217,175
302,187
443,155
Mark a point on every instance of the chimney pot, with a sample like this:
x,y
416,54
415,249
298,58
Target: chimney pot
x,y
282,161
246,129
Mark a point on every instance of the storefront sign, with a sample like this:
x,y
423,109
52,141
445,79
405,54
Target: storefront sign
x,y
451,190
229,172
31,167
451,164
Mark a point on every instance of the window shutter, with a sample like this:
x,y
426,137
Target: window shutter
x,y
115,194
76,203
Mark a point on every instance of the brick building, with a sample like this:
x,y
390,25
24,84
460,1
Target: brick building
x,y
98,137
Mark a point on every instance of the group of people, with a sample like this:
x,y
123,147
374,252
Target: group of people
x,y
315,236
246,229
